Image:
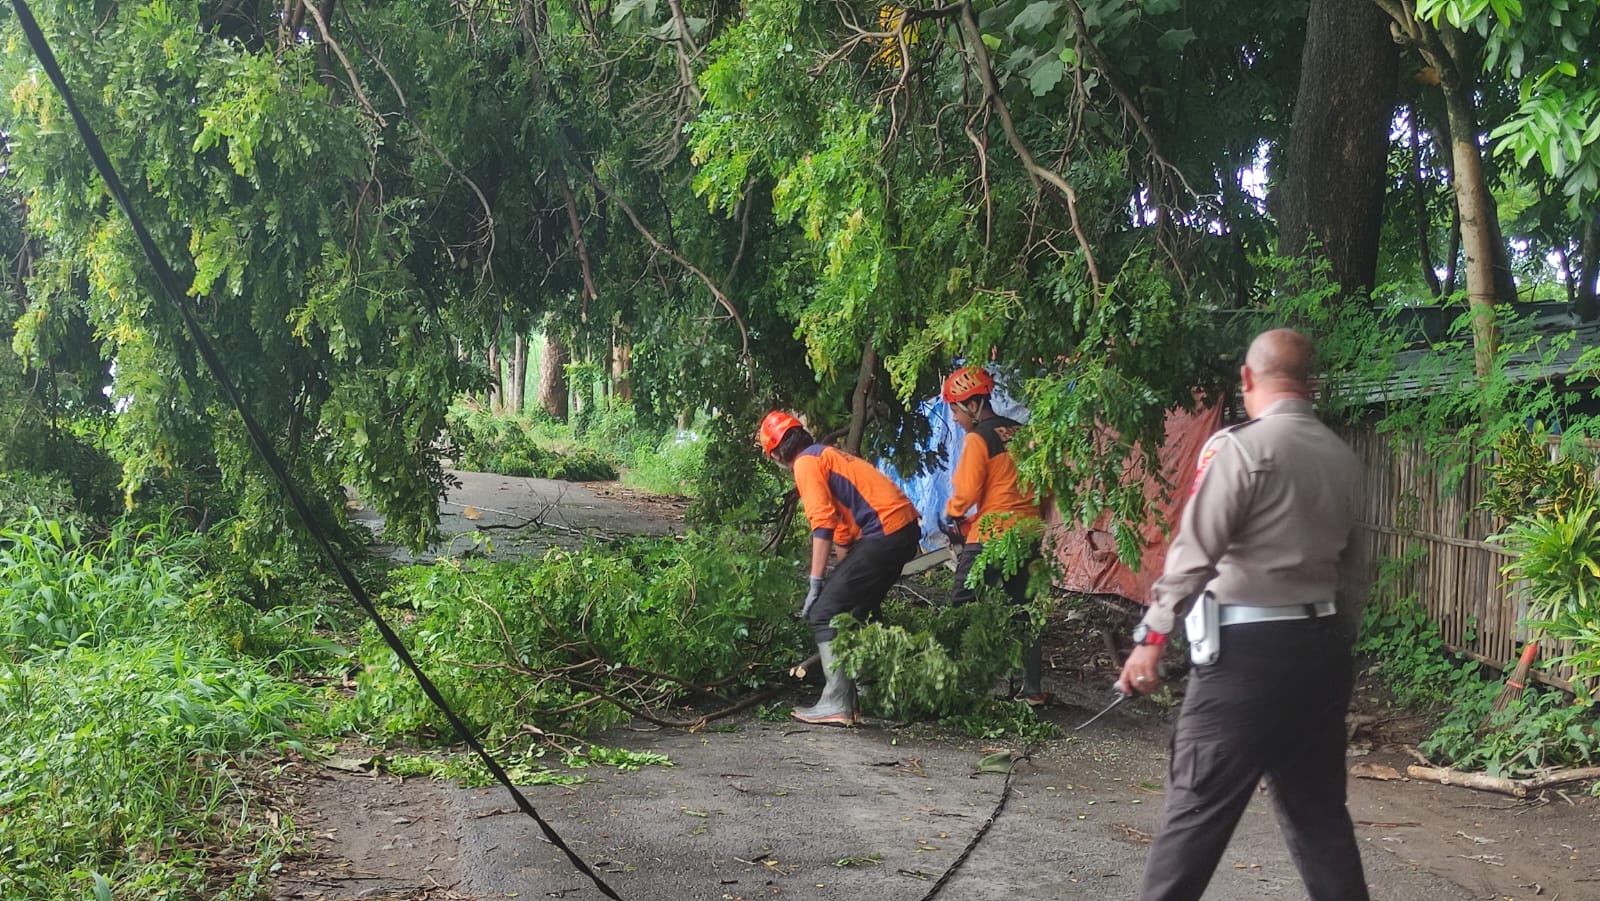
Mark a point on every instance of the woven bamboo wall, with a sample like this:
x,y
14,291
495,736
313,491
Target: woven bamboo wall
x,y
1457,577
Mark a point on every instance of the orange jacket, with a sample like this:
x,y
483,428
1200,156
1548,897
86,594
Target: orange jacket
x,y
846,498
986,477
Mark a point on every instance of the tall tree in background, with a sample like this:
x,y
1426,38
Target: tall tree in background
x,y
553,378
1332,196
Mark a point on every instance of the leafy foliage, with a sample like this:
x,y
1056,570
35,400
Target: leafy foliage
x,y
1524,478
61,593
126,723
941,662
1540,728
562,642
1556,548
506,446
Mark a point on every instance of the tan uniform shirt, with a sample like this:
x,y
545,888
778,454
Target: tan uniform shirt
x,y
1271,520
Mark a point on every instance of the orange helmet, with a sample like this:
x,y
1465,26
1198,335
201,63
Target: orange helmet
x,y
773,428
966,383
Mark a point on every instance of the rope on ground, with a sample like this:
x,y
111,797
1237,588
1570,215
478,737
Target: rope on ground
x,y
168,279
1005,795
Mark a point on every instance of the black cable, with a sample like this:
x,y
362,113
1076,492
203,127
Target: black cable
x,y
168,280
1005,795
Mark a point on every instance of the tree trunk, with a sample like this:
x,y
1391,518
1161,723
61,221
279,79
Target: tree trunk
x,y
1480,231
861,399
1585,303
1420,199
496,378
621,363
517,378
553,378
1339,141
1453,261
1484,257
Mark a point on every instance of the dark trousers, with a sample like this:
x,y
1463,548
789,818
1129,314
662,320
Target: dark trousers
x,y
863,578
1015,587
1272,705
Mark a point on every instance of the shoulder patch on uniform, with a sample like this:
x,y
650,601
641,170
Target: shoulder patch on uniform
x,y
1209,453
1232,437
1201,467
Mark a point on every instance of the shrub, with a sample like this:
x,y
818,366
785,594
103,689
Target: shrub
x,y
674,465
932,662
62,592
508,446
124,720
113,764
572,641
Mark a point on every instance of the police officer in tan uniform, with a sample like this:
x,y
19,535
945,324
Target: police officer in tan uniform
x,y
1270,531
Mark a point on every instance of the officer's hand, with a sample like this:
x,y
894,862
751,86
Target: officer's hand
x,y
812,593
1139,674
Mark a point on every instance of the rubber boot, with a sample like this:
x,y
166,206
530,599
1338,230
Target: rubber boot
x,y
1033,673
837,706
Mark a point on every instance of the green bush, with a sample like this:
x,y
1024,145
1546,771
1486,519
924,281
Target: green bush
x,y
932,662
1540,728
124,719
1407,651
509,446
558,642
62,592
1557,556
115,761
673,466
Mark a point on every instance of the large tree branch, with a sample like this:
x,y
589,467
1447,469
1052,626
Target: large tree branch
x,y
861,399
687,52
742,213
663,247
488,224
1129,106
560,173
1037,174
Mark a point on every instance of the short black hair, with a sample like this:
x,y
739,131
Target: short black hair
x,y
794,441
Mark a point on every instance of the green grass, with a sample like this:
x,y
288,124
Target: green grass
x,y
672,466
125,730
608,444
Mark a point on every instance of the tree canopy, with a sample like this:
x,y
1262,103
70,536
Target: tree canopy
x,y
819,205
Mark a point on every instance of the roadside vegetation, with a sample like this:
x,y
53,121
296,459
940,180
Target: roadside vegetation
x,y
147,702
607,445
583,240
135,732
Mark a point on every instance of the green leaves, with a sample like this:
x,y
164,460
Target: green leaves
x,y
932,663
1035,17
1045,75
562,641
125,714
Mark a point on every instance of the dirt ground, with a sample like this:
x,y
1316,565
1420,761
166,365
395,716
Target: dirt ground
x,y
761,809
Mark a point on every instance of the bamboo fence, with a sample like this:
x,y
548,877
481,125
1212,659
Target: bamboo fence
x,y
1433,525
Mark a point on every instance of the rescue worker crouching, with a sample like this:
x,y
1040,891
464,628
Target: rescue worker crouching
x,y
848,503
985,478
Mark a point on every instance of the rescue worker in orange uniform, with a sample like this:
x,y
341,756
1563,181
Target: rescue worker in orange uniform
x,y
848,503
985,483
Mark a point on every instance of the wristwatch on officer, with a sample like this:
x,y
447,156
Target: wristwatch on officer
x,y
1143,634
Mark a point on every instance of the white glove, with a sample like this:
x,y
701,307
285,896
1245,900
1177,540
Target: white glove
x,y
811,596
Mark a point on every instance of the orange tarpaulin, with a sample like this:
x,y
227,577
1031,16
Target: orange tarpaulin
x,y
1088,556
